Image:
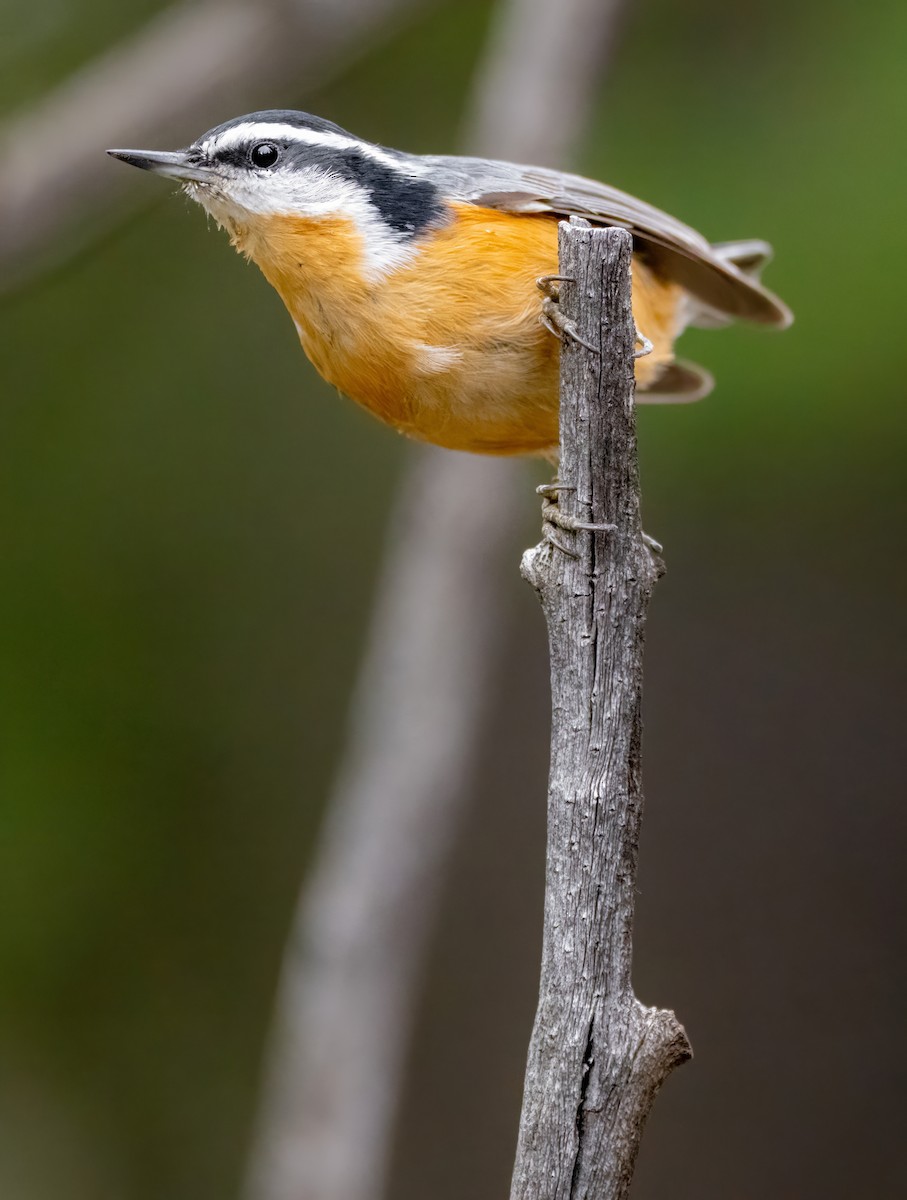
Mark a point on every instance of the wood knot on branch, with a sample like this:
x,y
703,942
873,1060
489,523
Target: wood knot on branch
x,y
597,1056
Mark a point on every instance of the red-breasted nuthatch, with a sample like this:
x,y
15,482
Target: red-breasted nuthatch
x,y
414,280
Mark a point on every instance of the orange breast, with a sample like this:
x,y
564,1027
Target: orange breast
x,y
447,348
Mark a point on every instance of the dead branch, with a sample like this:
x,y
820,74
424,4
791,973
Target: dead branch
x,y
597,1055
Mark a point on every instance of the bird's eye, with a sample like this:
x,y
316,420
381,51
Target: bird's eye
x,y
264,155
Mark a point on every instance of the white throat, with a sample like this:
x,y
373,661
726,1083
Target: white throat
x,y
310,193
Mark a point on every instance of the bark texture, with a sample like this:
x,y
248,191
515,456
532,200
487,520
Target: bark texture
x,y
597,1055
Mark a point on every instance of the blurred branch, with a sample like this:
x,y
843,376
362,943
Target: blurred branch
x,y
597,1056
544,64
353,966
192,66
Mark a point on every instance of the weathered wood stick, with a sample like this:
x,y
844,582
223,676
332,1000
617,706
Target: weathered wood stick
x,y
597,1055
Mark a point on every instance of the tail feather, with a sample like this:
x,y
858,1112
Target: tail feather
x,y
749,256
679,383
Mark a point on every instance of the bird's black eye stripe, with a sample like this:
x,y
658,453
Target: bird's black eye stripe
x,y
264,155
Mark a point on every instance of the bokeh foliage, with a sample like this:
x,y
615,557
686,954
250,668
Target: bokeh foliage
x,y
191,523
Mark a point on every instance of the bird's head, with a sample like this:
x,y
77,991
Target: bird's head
x,y
289,164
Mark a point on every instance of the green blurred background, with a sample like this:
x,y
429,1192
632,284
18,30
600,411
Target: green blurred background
x,y
178,486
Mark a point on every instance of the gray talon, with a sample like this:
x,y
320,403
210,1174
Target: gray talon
x,y
647,346
552,540
552,318
544,284
555,322
553,519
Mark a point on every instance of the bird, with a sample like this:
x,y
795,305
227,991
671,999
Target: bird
x,y
425,287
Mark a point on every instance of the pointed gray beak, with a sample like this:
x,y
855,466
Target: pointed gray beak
x,y
174,164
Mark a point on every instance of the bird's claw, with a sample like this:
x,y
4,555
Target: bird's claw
x,y
646,346
552,318
553,518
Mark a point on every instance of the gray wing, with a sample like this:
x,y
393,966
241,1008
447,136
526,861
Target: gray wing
x,y
722,287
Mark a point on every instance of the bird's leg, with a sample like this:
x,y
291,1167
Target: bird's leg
x,y
556,323
553,519
552,318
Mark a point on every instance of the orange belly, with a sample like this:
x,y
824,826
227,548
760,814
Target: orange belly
x,y
449,347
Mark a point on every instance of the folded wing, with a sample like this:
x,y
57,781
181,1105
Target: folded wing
x,y
723,283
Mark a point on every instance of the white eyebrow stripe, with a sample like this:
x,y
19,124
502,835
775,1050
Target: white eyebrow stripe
x,y
252,130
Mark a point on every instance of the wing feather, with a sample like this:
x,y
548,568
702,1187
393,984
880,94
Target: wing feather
x,y
712,277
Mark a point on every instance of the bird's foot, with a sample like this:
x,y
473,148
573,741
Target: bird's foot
x,y
552,318
554,520
557,324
